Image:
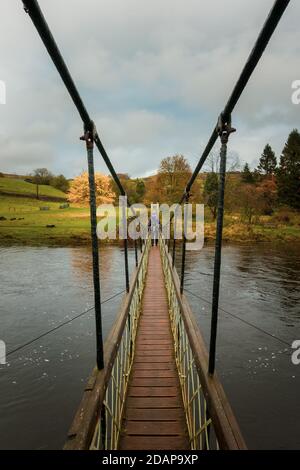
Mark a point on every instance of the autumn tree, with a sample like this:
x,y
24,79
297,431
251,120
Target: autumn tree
x,y
267,196
288,174
140,189
268,162
79,192
248,202
173,175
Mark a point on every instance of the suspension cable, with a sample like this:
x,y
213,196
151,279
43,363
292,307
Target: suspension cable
x,y
241,319
46,333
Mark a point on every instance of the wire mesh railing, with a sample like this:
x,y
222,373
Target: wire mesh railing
x,y
206,418
97,425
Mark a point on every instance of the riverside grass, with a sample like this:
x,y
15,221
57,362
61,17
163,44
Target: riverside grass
x,y
23,223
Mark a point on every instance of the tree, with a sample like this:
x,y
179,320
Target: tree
x,y
42,176
247,176
60,182
288,174
248,201
140,189
134,188
210,192
268,162
79,192
267,196
213,162
173,175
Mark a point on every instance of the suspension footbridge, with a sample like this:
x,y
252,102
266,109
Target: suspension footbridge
x,y
154,385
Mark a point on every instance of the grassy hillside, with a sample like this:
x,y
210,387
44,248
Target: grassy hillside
x,y
21,187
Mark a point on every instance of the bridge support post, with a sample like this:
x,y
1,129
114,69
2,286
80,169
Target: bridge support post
x,y
224,130
186,197
136,254
124,217
88,137
174,251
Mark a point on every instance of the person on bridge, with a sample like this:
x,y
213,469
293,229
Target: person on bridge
x,y
154,228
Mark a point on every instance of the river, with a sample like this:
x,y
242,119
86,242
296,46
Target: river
x,y
42,383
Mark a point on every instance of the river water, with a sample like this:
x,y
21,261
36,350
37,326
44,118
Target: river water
x,y
41,385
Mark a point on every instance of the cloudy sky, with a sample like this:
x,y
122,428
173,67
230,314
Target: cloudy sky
x,y
154,75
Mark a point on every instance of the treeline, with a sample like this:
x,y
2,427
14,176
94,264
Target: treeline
x,y
280,180
274,183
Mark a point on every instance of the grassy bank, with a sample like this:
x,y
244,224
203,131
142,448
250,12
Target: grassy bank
x,y
24,223
17,187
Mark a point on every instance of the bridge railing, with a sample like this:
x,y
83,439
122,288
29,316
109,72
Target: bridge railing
x,y
210,421
97,424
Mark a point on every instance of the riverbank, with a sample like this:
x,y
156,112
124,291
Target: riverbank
x,y
25,221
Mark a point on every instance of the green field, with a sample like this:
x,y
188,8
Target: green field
x,y
26,224
18,186
23,222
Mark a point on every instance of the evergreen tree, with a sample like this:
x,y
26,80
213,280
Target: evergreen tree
x,y
267,162
288,174
247,176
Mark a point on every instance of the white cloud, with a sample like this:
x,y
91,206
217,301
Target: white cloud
x,y
155,75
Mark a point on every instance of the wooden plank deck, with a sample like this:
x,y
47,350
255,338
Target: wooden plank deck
x,y
154,416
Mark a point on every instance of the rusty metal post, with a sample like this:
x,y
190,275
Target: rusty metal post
x,y
88,137
224,130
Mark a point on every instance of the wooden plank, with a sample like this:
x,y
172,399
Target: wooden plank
x,y
145,341
154,402
154,381
153,359
153,391
141,352
154,366
154,337
154,414
154,373
154,347
154,428
154,443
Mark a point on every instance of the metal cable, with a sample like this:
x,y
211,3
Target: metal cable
x,y
60,325
242,320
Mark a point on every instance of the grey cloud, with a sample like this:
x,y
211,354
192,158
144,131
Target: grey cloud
x,y
126,55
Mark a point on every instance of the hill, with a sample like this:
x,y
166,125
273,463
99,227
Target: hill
x,y
19,188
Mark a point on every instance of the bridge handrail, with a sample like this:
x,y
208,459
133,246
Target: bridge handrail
x,y
204,399
97,422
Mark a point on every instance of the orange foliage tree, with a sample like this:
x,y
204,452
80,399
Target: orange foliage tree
x,y
79,189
